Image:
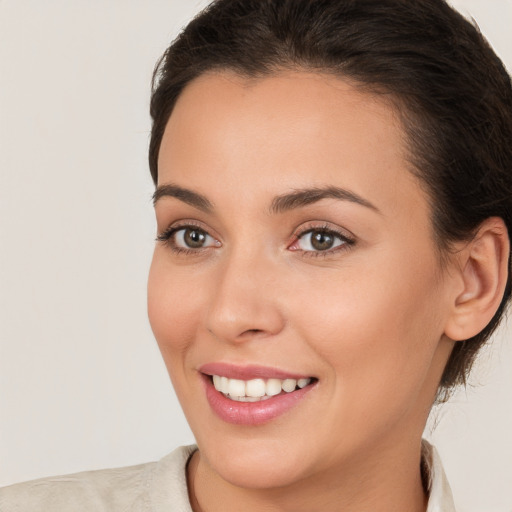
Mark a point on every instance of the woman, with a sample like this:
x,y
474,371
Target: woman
x,y
333,205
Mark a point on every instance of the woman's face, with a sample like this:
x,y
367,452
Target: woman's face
x,y
295,244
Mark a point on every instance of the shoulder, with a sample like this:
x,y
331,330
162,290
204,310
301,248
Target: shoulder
x,y
133,488
101,490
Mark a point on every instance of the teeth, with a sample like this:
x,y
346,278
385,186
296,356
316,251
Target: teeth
x,y
302,383
224,385
255,390
289,385
248,398
273,387
236,387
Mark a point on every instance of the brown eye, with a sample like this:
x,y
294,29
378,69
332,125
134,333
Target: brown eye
x,y
194,238
191,237
319,240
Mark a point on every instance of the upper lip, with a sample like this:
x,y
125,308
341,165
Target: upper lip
x,y
248,372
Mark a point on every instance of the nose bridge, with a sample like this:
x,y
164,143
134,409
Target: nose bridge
x,y
244,302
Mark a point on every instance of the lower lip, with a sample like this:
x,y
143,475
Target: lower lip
x,y
252,413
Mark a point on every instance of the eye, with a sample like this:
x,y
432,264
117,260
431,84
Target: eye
x,y
320,240
188,238
192,238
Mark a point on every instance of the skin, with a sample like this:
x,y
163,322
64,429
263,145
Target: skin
x,y
367,319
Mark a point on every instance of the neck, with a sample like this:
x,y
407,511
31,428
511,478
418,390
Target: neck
x,y
387,480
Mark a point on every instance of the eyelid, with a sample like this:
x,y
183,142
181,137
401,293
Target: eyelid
x,y
348,239
166,236
346,236
185,223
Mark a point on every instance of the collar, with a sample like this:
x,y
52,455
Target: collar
x,y
168,484
440,494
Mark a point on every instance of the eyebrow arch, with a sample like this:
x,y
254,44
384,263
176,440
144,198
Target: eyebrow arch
x,y
304,197
183,194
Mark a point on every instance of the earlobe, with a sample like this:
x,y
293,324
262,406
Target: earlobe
x,y
484,273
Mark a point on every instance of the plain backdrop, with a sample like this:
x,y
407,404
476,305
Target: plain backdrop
x,y
82,385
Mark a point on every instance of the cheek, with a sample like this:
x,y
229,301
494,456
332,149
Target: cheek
x,y
173,308
377,330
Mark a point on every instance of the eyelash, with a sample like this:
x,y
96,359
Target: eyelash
x,y
326,229
167,237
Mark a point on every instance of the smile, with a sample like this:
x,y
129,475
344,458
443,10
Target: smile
x,y
253,395
256,390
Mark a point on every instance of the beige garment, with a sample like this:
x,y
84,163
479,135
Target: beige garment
x,y
441,499
154,487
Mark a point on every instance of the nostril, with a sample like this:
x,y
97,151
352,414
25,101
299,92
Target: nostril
x,y
250,333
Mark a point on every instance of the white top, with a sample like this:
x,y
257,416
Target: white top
x,y
154,487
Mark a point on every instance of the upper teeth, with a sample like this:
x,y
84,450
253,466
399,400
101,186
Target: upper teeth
x,y
256,388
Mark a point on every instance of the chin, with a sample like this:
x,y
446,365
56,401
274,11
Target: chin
x,y
256,463
268,470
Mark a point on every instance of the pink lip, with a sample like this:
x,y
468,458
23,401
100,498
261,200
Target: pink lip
x,y
248,372
250,413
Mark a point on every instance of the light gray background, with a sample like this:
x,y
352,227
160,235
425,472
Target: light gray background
x,y
82,385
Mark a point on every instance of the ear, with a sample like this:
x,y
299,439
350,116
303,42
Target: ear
x,y
483,269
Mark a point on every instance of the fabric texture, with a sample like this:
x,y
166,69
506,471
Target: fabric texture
x,y
155,487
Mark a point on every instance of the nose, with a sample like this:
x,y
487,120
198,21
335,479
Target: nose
x,y
244,302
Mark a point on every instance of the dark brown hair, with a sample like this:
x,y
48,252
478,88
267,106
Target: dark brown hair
x,y
452,92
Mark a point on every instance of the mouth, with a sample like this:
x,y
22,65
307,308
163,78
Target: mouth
x,y
253,395
256,390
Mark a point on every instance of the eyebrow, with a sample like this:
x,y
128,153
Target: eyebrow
x,y
285,202
304,197
183,194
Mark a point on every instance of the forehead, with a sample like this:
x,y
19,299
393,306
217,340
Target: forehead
x,y
285,131
295,103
